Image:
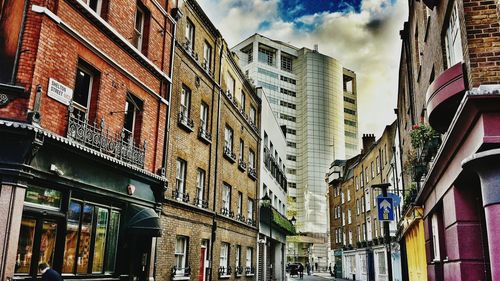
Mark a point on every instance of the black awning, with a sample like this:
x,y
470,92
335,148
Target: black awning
x,y
143,221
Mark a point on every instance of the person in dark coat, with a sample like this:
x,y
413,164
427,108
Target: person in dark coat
x,y
48,274
301,271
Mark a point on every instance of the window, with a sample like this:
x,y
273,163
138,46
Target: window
x,y
291,144
367,176
224,257
350,123
435,237
180,179
242,148
230,84
453,40
342,197
348,195
226,197
367,200
92,234
286,63
250,209
356,180
133,118
359,232
266,56
95,5
251,159
381,262
138,29
253,115
238,256
288,92
291,158
377,164
288,104
291,131
349,100
349,217
249,52
189,35
82,93
357,207
292,171
181,246
267,73
350,111
185,102
249,257
368,229
372,170
287,79
200,186
287,117
239,208
242,100
228,138
350,237
204,117
207,55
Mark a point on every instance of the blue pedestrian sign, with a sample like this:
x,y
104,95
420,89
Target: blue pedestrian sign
x,y
385,208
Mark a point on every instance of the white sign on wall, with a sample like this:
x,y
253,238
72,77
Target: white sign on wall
x,y
59,92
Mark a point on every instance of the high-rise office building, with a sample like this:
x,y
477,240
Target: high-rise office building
x,y
314,97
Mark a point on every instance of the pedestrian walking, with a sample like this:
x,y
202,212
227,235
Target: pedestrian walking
x,y
48,274
301,271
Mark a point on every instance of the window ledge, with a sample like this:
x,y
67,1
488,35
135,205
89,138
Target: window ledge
x,y
249,275
181,278
224,276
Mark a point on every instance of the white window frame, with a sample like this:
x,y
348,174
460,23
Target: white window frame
x,y
189,34
252,115
226,197
182,254
98,6
238,257
228,138
200,186
224,256
207,55
348,195
242,99
231,84
242,150
249,257
180,179
250,209
251,159
453,38
204,116
81,107
239,209
185,102
349,216
139,30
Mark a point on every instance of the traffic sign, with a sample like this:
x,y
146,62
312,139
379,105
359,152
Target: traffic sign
x,y
385,208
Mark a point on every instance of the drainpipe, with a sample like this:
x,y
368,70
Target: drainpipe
x,y
19,43
214,221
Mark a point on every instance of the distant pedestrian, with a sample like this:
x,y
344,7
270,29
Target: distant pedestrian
x,y
308,267
48,274
301,271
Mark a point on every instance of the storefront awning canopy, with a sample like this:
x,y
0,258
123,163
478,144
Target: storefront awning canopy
x,y
143,221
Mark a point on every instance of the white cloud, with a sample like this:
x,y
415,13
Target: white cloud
x,y
366,42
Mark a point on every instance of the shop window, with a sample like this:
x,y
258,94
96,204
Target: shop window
x,y
90,235
43,197
133,119
181,261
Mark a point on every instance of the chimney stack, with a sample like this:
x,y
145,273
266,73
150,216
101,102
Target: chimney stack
x,y
368,140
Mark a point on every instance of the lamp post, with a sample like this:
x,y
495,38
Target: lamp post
x,y
387,238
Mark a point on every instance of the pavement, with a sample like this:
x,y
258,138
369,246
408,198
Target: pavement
x,y
316,276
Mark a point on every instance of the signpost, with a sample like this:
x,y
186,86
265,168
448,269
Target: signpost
x,y
385,208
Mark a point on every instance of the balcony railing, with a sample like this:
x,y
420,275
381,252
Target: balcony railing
x,y
184,120
205,135
200,203
252,222
227,212
249,271
180,272
225,271
228,153
180,196
252,173
98,137
242,165
238,271
240,217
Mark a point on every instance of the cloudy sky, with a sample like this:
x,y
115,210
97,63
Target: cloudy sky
x,y
362,34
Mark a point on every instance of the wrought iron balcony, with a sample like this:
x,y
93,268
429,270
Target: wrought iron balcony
x,y
225,271
240,217
228,153
224,211
251,222
250,271
238,271
200,203
98,137
204,135
444,95
242,165
180,196
180,272
184,121
252,173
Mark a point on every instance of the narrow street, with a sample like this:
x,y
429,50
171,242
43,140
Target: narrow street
x,y
321,276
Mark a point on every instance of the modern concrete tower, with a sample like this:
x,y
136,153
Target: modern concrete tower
x,y
314,97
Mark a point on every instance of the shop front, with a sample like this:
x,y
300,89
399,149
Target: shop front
x,y
414,239
84,215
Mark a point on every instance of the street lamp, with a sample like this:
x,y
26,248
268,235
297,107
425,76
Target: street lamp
x,y
387,238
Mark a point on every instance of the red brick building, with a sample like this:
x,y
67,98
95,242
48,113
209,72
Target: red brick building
x,y
450,82
84,96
